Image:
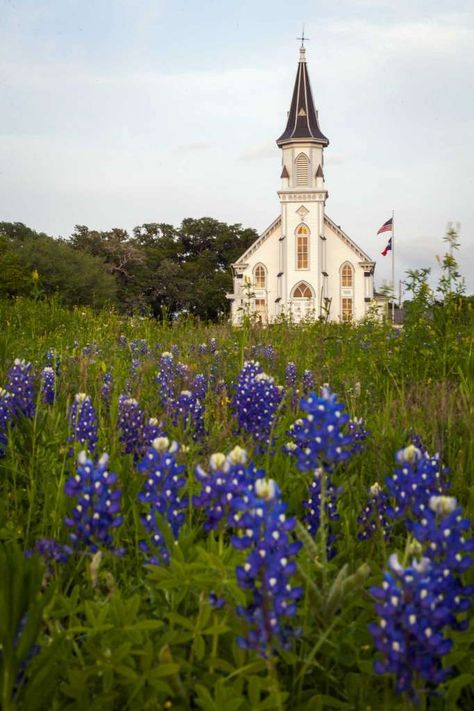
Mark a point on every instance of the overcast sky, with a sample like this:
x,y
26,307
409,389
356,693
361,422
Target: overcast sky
x,y
120,112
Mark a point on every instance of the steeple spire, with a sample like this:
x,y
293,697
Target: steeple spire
x,y
302,122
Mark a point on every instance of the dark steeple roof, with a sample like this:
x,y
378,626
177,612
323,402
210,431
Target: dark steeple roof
x,y
302,118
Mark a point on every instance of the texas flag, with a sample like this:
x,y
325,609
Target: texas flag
x,y
386,227
387,248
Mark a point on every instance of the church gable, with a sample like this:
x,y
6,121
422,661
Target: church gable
x,y
250,255
333,229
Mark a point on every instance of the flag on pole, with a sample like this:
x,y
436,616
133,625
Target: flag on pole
x,y
386,227
387,248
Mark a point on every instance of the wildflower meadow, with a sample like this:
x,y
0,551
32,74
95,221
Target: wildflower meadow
x,y
199,517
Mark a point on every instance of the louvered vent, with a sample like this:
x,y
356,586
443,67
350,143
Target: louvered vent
x,y
302,169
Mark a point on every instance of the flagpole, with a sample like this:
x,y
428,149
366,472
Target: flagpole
x,y
393,266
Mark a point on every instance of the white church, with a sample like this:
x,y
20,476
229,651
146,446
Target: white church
x,y
303,265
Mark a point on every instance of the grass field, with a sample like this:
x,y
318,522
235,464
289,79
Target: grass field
x,y
113,618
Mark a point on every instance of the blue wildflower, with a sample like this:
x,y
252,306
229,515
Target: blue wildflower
x,y
167,380
418,605
322,438
188,413
83,422
48,386
264,530
106,389
322,501
226,488
20,385
417,477
308,382
161,498
374,515
130,425
6,414
256,402
97,504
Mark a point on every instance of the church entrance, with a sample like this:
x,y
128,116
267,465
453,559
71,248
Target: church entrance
x,y
302,302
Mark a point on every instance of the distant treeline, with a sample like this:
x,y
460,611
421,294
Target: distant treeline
x,y
158,269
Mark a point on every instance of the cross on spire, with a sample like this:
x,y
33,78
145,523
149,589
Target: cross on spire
x,y
303,38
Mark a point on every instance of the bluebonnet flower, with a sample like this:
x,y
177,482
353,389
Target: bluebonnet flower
x,y
199,387
290,375
6,414
255,403
188,413
264,530
139,346
417,477
161,497
20,385
202,349
263,351
106,389
322,437
374,515
52,551
83,422
91,350
226,488
419,604
322,491
122,341
167,380
359,434
151,430
97,504
130,425
53,360
48,386
213,346
175,349
308,382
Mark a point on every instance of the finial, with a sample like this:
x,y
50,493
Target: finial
x,y
303,38
302,49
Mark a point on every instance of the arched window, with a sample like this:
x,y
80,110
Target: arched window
x,y
302,169
346,309
347,274
260,277
302,247
302,291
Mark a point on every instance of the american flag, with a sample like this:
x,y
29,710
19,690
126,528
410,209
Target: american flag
x,y
387,248
386,227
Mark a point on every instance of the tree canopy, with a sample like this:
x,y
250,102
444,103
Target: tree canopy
x,y
158,268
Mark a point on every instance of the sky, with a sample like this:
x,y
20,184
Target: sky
x,y
114,113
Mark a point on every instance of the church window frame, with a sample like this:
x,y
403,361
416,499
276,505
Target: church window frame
x,y
302,242
347,309
302,290
260,276
347,276
302,170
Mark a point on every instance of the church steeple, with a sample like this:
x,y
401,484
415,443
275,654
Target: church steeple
x,y
302,122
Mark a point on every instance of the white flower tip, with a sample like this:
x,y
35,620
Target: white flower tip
x,y
82,458
443,505
409,454
161,444
237,456
104,460
217,461
266,489
375,489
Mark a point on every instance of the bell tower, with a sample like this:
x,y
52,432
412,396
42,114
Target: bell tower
x,y
302,278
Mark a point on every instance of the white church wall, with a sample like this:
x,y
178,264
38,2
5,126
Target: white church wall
x,y
338,253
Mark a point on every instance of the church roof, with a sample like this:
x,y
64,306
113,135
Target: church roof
x,y
302,122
